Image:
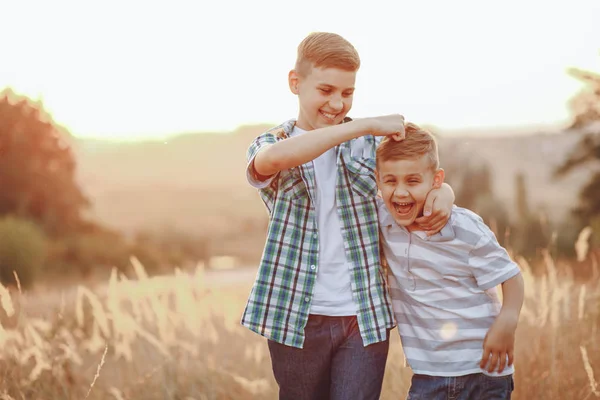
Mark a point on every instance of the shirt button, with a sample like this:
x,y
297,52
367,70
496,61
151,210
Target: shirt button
x,y
315,235
307,299
313,267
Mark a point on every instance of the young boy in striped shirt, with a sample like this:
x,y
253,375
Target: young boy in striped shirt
x,y
457,336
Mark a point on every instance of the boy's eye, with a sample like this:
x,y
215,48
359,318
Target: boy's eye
x,y
413,181
327,91
348,94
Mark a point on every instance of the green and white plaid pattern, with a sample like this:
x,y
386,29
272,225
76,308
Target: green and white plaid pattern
x,y
280,299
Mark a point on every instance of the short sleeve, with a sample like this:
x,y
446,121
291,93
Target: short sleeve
x,y
490,262
258,144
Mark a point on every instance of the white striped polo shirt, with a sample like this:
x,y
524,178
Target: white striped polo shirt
x,y
443,291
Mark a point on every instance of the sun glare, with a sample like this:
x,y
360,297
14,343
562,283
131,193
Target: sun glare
x,y
104,72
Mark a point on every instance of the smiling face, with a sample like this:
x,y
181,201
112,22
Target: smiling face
x,y
323,79
325,96
404,185
406,171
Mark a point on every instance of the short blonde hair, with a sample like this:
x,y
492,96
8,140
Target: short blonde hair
x,y
326,50
417,143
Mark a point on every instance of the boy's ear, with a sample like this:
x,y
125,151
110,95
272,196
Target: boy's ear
x,y
293,80
438,178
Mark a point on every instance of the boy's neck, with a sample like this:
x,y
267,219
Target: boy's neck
x,y
300,125
410,228
301,128
414,228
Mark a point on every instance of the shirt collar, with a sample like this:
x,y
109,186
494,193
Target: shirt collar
x,y
284,130
386,220
445,235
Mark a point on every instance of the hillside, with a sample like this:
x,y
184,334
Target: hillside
x,y
196,182
536,156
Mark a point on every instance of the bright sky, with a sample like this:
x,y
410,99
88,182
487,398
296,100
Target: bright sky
x,y
133,69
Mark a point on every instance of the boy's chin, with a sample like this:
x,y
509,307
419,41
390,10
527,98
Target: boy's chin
x,y
323,122
408,220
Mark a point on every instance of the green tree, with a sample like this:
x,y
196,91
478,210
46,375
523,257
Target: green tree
x,y
22,251
585,107
37,167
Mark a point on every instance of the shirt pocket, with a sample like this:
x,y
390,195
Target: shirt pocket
x,y
292,186
362,176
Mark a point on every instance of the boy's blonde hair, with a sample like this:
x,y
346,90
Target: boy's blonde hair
x,y
417,143
326,50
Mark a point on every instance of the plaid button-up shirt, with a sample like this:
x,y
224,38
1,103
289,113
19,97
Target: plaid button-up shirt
x,y
280,299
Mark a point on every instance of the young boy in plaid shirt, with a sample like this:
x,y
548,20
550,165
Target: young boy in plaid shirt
x,y
320,296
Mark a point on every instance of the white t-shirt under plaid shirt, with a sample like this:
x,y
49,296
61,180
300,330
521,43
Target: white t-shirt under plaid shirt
x,y
280,299
443,291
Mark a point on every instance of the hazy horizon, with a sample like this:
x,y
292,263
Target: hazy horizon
x,y
483,131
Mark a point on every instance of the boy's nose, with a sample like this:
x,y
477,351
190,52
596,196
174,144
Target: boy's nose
x,y
336,104
401,193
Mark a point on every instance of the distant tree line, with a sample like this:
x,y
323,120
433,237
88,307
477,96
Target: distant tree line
x,y
516,226
45,227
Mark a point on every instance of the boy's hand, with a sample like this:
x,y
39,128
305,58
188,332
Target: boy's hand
x,y
436,210
499,343
387,125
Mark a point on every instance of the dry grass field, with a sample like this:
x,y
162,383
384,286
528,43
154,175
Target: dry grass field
x,y
178,337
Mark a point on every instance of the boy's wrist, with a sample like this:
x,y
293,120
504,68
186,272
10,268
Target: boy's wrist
x,y
361,127
509,316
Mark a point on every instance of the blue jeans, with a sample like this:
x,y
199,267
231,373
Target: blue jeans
x,y
467,387
333,365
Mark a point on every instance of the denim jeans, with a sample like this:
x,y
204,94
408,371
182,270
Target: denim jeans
x,y
333,365
467,387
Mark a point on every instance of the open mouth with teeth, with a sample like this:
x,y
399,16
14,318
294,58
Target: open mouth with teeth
x,y
403,208
328,116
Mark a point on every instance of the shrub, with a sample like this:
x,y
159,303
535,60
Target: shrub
x,y
81,254
22,250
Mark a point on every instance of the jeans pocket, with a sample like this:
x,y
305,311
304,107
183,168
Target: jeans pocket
x,y
497,387
425,387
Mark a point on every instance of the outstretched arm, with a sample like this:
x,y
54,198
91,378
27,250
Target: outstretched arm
x,y
298,150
